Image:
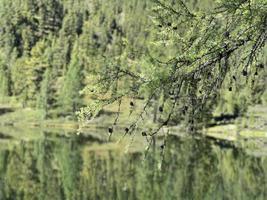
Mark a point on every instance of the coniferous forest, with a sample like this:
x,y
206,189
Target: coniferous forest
x,y
61,56
50,49
89,89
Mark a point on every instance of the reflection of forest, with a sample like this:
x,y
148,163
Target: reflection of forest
x,y
188,169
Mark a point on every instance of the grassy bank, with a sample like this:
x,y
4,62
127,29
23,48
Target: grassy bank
x,y
252,125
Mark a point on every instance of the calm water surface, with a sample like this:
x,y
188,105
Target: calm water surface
x,y
53,166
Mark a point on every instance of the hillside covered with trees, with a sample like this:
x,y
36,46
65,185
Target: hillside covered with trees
x,y
50,48
59,56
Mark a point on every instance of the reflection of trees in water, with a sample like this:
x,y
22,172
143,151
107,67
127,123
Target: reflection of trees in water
x,y
44,169
188,169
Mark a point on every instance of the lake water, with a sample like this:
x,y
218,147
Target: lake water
x,y
55,166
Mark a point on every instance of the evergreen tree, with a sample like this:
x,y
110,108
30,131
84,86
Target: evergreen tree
x,y
200,50
45,96
5,78
70,98
4,81
136,49
34,67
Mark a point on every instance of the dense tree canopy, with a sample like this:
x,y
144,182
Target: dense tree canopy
x,y
38,38
182,59
194,52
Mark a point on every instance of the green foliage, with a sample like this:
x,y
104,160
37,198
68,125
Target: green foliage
x,y
173,55
4,79
192,53
46,95
70,99
37,35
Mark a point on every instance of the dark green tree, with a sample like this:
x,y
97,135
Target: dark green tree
x,y
5,84
46,95
70,98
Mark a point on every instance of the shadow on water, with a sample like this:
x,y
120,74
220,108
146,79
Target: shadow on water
x,y
54,167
